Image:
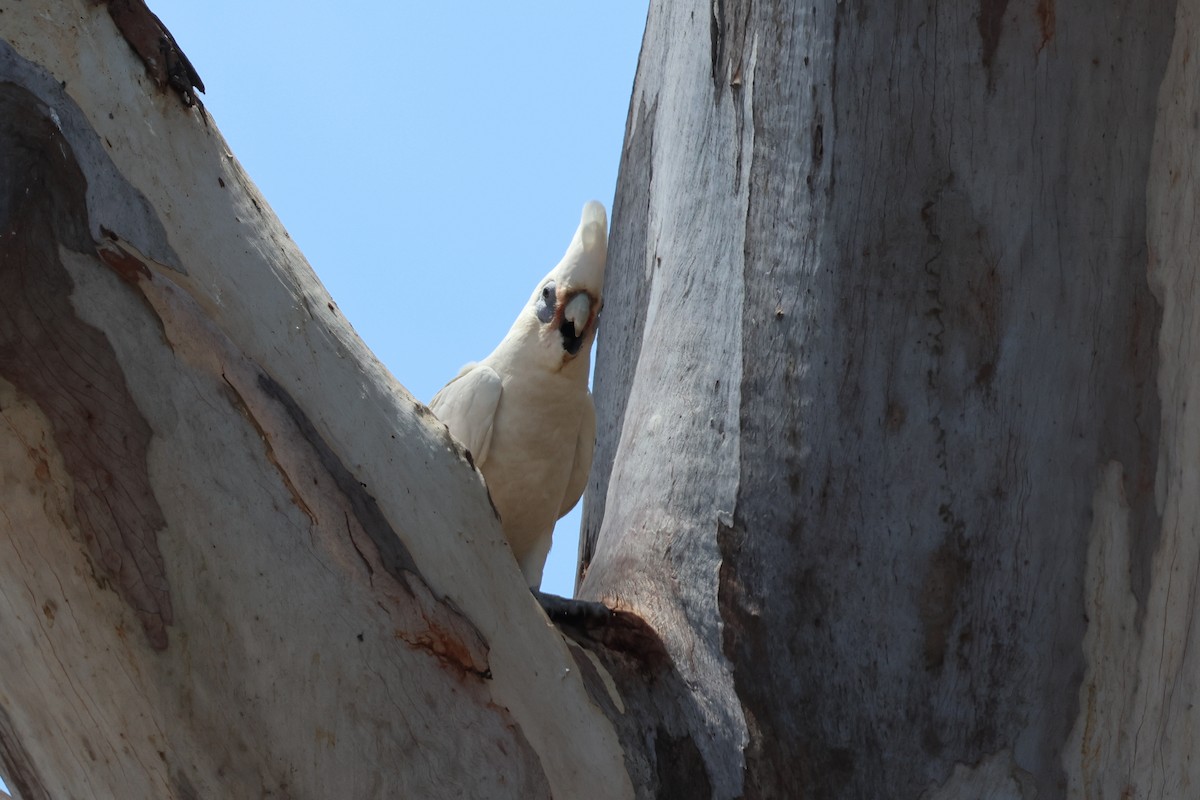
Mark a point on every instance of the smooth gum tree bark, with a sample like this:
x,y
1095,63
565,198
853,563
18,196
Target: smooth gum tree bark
x,y
896,451
237,558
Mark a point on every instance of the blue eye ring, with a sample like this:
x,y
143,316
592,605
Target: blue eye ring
x,y
547,303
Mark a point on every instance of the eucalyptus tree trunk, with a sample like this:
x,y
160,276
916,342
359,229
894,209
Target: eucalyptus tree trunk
x,y
237,559
893,387
896,480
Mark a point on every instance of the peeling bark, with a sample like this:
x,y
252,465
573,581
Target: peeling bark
x,y
154,44
67,366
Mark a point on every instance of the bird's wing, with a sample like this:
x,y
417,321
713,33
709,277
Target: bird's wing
x,y
467,405
582,464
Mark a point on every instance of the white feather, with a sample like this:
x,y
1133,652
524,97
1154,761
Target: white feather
x,y
467,405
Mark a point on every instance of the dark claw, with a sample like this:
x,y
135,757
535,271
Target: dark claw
x,y
578,613
618,631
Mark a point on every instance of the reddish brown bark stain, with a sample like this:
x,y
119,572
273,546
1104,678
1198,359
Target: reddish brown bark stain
x,y
67,367
41,467
447,648
1045,15
130,269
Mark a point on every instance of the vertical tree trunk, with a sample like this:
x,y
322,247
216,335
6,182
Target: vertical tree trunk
x,y
890,451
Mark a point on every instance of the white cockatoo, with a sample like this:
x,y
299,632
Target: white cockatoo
x,y
525,412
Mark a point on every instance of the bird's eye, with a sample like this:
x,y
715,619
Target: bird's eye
x,y
547,303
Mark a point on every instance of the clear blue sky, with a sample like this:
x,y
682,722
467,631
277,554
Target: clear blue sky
x,y
430,159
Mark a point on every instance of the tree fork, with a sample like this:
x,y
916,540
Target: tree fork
x,y
895,485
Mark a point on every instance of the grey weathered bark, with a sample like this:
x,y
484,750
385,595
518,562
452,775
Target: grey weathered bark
x,y
897,451
898,437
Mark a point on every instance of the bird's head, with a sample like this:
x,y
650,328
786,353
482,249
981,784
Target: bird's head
x,y
566,303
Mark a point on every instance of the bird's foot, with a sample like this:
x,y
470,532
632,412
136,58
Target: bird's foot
x,y
577,613
617,630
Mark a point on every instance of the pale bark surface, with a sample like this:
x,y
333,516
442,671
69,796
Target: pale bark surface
x,y
237,559
893,451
